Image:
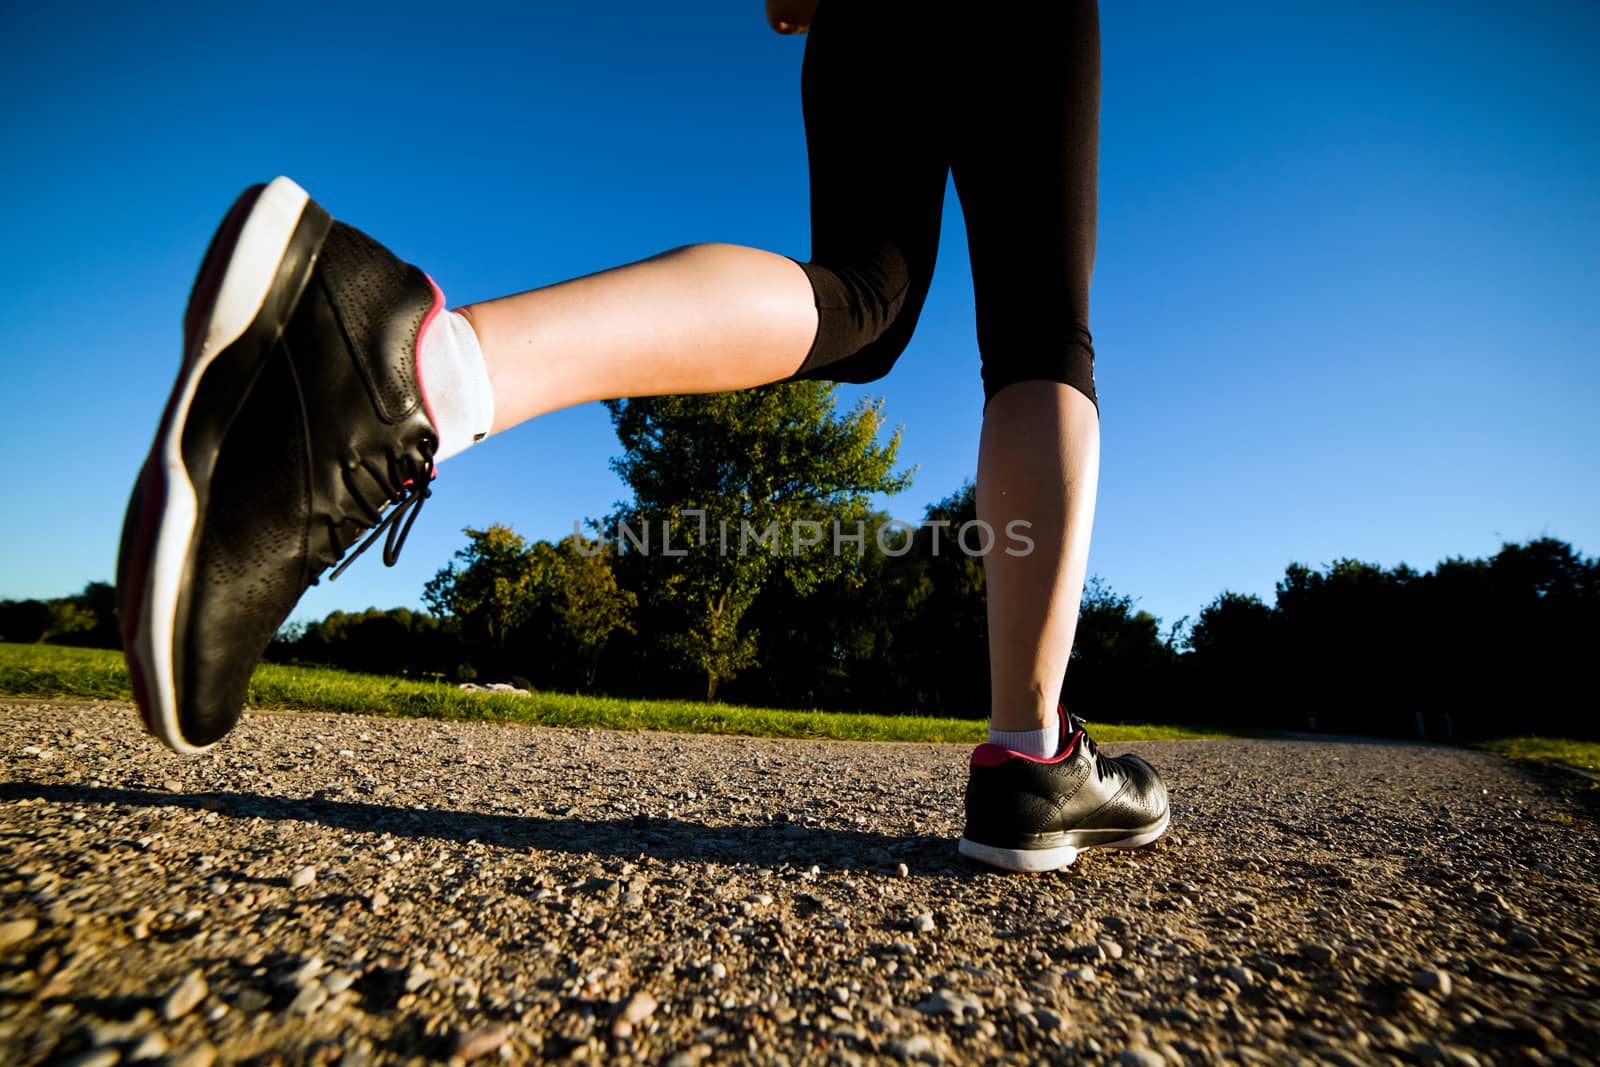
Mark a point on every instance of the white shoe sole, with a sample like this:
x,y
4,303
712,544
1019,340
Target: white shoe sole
x,y
1038,860
249,271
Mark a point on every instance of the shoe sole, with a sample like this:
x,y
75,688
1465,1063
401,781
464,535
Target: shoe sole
x,y
249,282
1039,860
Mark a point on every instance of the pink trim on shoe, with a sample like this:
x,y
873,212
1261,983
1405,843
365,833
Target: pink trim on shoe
x,y
992,755
989,755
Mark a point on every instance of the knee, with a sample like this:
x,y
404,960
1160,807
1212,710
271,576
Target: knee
x,y
867,308
1064,354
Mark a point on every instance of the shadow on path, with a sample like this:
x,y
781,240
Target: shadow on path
x,y
659,838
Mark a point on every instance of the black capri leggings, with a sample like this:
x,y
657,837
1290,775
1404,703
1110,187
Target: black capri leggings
x,y
1007,97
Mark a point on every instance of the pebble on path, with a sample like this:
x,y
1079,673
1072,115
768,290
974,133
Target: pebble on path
x,y
1317,952
16,932
914,1047
639,1007
201,1055
184,996
302,877
473,1044
148,1047
1432,981
96,1057
309,999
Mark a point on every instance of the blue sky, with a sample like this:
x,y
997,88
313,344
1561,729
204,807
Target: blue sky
x,y
1345,302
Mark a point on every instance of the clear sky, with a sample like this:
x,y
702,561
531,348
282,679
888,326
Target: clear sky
x,y
1346,301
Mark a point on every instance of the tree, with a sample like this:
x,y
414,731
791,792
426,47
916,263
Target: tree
x,y
740,484
948,612
65,617
1119,665
1233,624
396,641
490,590
88,619
1233,657
577,583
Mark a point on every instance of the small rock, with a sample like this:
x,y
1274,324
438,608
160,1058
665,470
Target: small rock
x,y
250,1001
378,900
302,877
1141,1057
472,1044
1242,976
417,977
149,1047
1050,1021
1081,974
16,932
184,996
202,1055
306,973
914,1047
1386,1033
1317,952
639,1007
309,999
943,1001
338,981
923,924
902,871
1112,949
98,1057
1432,981
718,971
103,1032
1428,1051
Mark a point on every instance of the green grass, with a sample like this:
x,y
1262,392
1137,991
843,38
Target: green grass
x,y
55,671
1585,754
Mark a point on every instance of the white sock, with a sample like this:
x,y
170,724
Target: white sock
x,y
1041,744
455,382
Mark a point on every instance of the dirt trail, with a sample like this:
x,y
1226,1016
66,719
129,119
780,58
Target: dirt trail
x,y
342,889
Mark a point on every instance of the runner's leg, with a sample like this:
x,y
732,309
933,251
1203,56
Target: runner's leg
x,y
1025,161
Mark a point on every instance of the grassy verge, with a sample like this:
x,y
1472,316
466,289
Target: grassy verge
x,y
53,671
1585,754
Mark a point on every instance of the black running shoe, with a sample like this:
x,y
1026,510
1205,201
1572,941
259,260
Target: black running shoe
x,y
296,420
1027,814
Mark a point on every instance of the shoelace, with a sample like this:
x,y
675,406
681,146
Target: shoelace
x,y
407,505
1104,766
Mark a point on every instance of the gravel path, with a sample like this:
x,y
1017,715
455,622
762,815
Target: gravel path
x,y
340,889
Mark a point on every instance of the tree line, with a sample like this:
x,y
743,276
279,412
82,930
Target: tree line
x,y
748,567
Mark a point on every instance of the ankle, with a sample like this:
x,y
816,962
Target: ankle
x,y
1040,743
455,381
